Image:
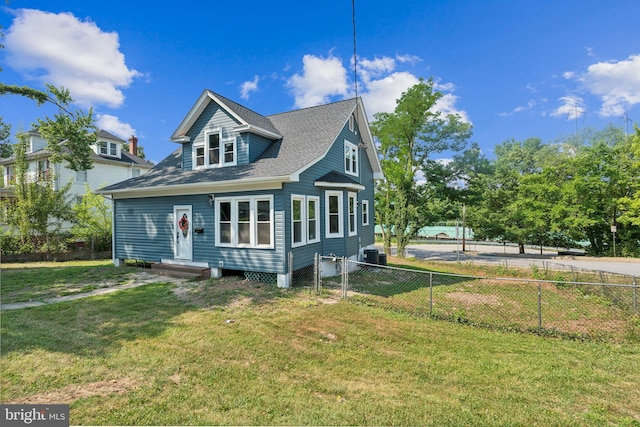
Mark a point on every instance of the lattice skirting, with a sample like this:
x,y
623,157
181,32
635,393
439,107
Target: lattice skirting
x,y
258,276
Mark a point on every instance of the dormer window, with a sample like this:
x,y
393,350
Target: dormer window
x,y
108,148
215,151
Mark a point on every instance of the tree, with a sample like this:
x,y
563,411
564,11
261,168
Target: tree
x,y
93,220
630,203
6,149
70,134
408,137
517,201
36,208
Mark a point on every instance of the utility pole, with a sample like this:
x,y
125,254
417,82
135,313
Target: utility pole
x,y
627,120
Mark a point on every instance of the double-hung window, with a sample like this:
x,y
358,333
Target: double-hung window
x,y
350,158
108,148
333,218
214,151
244,221
305,227
353,208
365,212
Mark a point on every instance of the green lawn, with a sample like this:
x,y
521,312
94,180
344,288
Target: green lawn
x,y
235,352
42,280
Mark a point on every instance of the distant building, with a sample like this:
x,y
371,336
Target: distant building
x,y
111,164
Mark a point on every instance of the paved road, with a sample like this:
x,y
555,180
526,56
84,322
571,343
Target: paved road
x,y
498,254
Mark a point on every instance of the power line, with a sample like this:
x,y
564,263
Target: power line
x,y
355,58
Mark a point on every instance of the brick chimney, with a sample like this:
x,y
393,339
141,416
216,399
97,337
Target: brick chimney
x,y
133,145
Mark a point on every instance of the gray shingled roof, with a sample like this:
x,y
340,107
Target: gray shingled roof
x,y
307,135
249,116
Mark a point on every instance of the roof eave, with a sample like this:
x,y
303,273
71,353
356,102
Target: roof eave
x,y
257,130
249,184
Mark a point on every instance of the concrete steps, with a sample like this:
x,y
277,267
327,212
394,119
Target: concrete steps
x,y
181,271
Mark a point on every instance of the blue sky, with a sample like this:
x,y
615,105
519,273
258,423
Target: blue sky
x,y
514,69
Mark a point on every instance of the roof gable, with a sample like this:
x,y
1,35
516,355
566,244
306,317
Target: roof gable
x,y
249,121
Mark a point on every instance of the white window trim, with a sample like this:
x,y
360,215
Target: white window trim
x,y
365,212
221,155
354,197
303,222
107,148
304,219
316,200
352,151
340,232
253,219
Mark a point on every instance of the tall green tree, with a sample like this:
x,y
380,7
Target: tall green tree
x,y
408,137
93,220
517,201
6,149
37,208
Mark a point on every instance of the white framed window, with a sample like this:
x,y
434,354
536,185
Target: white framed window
x,y
305,227
350,158
352,201
352,121
9,175
214,151
298,209
108,148
365,212
245,222
333,214
313,222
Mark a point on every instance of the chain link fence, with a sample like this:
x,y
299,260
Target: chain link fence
x,y
573,309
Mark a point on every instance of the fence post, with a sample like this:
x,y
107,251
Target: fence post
x,y
316,262
291,268
539,307
635,296
345,277
430,294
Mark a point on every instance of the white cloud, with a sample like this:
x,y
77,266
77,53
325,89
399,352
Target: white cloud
x,y
572,107
113,125
380,95
617,83
447,105
379,84
64,51
248,87
321,79
519,109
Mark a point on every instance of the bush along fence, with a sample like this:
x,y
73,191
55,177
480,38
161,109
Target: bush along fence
x,y
578,310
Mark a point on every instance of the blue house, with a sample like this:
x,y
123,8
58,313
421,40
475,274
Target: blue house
x,y
243,191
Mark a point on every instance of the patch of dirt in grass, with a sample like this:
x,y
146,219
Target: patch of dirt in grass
x,y
231,293
74,392
470,298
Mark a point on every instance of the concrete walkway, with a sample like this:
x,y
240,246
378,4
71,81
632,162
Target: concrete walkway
x,y
139,279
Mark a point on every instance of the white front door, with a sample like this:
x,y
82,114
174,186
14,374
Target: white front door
x,y
183,232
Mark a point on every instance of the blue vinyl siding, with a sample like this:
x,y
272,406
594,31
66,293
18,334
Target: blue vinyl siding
x,y
257,144
144,231
333,161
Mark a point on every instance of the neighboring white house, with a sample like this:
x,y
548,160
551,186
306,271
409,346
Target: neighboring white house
x,y
111,164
